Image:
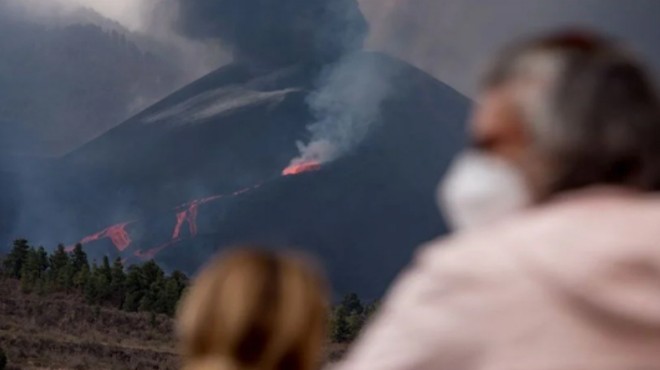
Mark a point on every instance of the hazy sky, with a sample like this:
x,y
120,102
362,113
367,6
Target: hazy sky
x,y
127,12
452,39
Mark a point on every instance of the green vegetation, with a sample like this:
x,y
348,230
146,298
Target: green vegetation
x,y
348,318
138,288
143,287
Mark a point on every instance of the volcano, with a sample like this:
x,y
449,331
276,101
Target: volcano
x,y
210,167
305,140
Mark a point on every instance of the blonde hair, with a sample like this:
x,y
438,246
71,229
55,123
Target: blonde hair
x,y
254,309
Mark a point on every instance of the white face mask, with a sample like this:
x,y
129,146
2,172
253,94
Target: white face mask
x,y
481,188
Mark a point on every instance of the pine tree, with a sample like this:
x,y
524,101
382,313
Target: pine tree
x,y
182,282
354,322
134,289
78,258
43,265
340,330
80,270
149,301
117,283
103,279
352,304
81,280
105,268
170,294
155,299
91,287
349,317
42,261
31,271
13,264
370,309
60,269
151,273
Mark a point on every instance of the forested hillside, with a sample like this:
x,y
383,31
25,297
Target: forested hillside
x,y
59,310
144,288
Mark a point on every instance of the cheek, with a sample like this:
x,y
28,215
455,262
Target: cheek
x,y
498,127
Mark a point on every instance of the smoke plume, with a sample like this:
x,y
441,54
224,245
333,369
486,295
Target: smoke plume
x,y
276,32
350,88
345,106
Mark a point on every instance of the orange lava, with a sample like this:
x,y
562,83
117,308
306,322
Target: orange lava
x,y
116,233
185,214
302,167
189,214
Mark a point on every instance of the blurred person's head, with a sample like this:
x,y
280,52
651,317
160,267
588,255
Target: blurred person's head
x,y
254,309
555,114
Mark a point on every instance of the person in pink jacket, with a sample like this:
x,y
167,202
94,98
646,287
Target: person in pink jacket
x,y
555,262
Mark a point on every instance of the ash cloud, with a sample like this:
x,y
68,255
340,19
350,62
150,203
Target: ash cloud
x,y
350,89
276,32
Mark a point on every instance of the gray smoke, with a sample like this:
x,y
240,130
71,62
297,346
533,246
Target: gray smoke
x,y
152,24
274,32
346,102
345,106
197,57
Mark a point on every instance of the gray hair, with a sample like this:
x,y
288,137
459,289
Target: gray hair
x,y
591,108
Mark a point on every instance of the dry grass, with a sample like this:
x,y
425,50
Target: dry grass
x,y
61,332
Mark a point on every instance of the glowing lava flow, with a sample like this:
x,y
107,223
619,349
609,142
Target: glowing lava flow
x,y
190,210
301,167
189,215
116,233
186,213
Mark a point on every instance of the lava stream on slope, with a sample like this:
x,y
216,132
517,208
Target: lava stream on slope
x,y
301,167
